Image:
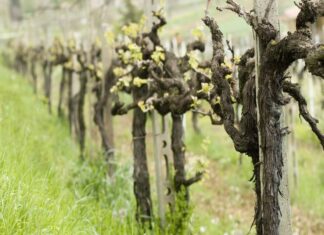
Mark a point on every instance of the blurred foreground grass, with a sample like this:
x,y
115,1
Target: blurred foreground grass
x,y
38,164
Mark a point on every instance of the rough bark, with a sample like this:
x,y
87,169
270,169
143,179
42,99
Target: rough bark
x,y
223,87
275,60
274,63
47,70
75,120
257,188
142,189
69,98
271,145
246,137
80,112
315,61
178,149
102,92
294,91
61,92
34,75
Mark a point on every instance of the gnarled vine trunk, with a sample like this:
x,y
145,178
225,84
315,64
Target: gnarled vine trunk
x,y
142,189
61,92
102,92
80,112
34,75
178,149
47,69
271,145
69,99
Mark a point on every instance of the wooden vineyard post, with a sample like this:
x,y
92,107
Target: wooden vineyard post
x,y
163,164
166,152
158,168
269,9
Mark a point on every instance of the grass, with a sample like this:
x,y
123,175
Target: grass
x,y
310,192
38,160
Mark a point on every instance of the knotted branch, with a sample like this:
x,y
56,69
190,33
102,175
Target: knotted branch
x,y
294,91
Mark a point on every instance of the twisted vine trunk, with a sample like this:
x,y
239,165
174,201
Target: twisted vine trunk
x,y
257,189
102,92
69,98
80,112
34,75
275,210
61,92
142,189
47,69
271,146
99,120
178,149
248,125
180,182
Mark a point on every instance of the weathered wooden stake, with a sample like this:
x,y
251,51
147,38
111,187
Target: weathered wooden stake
x,y
158,167
269,9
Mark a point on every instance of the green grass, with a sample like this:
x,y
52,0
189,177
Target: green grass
x,y
309,194
39,165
